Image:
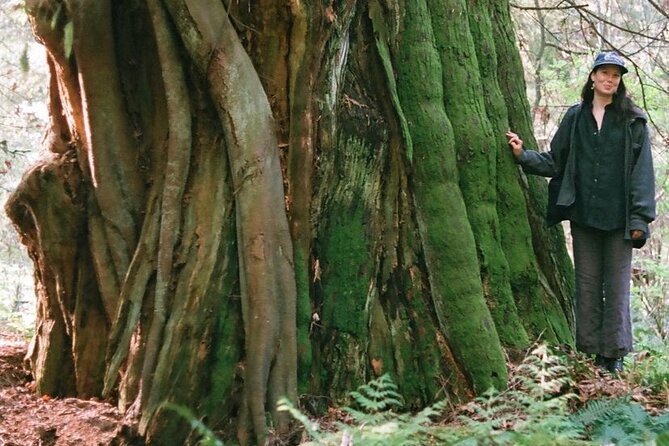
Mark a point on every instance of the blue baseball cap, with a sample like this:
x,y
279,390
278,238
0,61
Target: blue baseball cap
x,y
609,58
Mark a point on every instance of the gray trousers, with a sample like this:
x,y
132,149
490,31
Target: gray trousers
x,y
603,264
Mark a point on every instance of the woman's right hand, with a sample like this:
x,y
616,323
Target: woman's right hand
x,y
515,143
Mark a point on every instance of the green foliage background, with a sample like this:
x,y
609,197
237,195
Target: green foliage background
x,y
23,117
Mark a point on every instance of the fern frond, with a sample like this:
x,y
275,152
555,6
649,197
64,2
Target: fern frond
x,y
311,427
426,415
637,416
378,395
208,436
597,410
369,419
616,434
661,423
620,421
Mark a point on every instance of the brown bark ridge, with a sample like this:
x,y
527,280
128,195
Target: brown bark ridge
x,y
265,250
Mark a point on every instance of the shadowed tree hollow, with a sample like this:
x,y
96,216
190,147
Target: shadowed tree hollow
x,y
245,200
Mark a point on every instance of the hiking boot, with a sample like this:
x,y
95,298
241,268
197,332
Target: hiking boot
x,y
601,363
609,365
614,365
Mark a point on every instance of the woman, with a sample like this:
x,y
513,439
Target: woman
x,y
603,183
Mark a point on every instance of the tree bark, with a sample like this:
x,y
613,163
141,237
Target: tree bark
x,y
239,204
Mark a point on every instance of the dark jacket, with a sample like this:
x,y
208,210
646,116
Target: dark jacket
x,y
560,164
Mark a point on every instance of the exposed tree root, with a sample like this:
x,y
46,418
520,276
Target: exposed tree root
x,y
264,245
176,172
132,296
112,157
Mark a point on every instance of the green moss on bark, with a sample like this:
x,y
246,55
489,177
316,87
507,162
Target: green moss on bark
x,y
303,317
347,264
226,356
515,232
448,242
426,369
347,270
544,283
477,163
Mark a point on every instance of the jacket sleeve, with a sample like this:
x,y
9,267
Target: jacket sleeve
x,y
642,184
551,163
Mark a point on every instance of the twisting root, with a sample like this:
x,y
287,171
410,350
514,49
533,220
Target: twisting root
x,y
176,173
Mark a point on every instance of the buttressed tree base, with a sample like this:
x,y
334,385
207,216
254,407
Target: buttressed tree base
x,y
240,201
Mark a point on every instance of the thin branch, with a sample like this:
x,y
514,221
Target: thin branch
x,y
642,85
539,57
566,50
615,25
641,46
554,36
547,8
648,25
659,8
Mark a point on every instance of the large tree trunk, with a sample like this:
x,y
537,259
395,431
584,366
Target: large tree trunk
x,y
283,197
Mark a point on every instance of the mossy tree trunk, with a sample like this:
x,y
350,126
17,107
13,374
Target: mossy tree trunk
x,y
282,198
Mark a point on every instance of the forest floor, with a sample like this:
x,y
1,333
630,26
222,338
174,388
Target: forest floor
x,y
27,419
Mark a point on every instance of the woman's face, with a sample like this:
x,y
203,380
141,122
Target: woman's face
x,y
606,79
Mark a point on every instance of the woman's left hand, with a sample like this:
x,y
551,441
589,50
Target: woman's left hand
x,y
636,234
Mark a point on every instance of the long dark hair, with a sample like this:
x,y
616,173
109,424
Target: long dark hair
x,y
622,104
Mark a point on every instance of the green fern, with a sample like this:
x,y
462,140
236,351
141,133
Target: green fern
x,y
597,410
662,422
312,428
533,407
208,436
533,410
375,422
378,395
621,422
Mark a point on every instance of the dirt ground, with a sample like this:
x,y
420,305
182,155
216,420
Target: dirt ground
x,y
27,419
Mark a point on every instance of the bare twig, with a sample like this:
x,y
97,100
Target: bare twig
x,y
581,11
540,55
566,50
660,9
548,8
